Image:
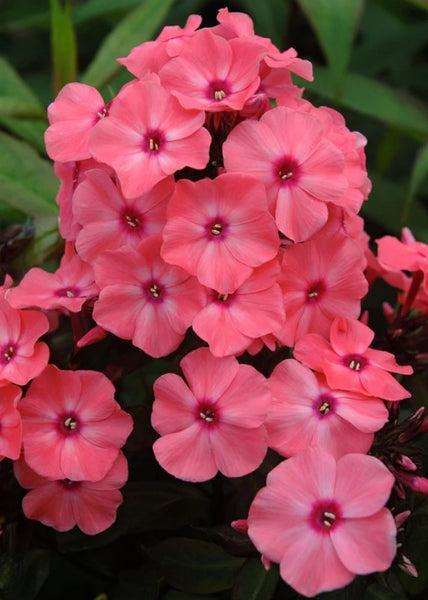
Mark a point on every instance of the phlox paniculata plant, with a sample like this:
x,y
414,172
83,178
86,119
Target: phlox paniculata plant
x,y
210,218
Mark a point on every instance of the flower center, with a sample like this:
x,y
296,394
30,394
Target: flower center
x,y
315,291
154,289
68,292
218,90
70,423
216,229
69,484
8,353
223,297
355,362
207,415
324,405
325,515
132,220
287,169
153,141
219,94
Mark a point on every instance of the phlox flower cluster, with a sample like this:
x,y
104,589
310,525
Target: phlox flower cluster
x,y
208,201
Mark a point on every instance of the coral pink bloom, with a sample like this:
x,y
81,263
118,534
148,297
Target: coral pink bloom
x,y
68,288
144,299
71,174
10,422
212,73
149,135
215,422
73,427
302,171
408,254
231,322
22,356
110,221
76,109
305,412
321,278
350,364
152,55
219,230
63,503
324,521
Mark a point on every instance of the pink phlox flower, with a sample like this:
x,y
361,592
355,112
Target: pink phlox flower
x,y
10,422
64,503
22,355
71,174
144,299
68,288
231,322
349,363
222,239
214,74
306,411
302,171
109,221
408,254
73,427
72,115
214,422
324,521
148,136
321,278
153,55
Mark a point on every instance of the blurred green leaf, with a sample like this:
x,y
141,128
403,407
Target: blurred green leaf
x,y
385,207
92,9
45,245
174,595
29,575
27,129
254,582
419,173
16,97
374,99
27,182
270,18
138,26
195,566
63,44
420,3
335,23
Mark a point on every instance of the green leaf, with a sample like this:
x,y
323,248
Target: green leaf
x,y
418,175
30,130
29,575
63,45
92,9
254,582
16,98
385,206
174,595
27,182
269,18
335,23
45,245
138,26
195,566
374,99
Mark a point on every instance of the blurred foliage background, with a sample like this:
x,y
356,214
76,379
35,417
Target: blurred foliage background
x,y
370,63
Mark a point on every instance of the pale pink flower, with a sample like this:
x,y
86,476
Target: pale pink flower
x,y
64,503
109,220
302,171
321,278
408,254
212,73
152,55
144,299
306,411
222,238
214,422
10,422
68,288
76,109
73,426
22,355
349,363
324,521
231,322
148,136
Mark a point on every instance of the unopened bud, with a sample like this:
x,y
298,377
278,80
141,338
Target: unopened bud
x,y
240,525
406,565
